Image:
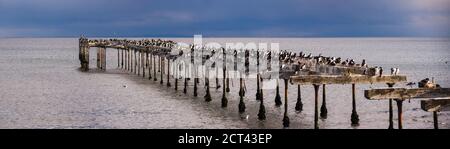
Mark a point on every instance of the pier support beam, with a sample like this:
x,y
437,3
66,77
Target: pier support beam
x,y
122,58
208,94
286,118
168,73
135,61
391,121
299,104
262,108
241,96
131,60
139,62
277,95
316,106
145,64
258,89
84,53
354,116
154,68
101,58
400,113
149,66
161,70
435,120
118,58
323,108
224,98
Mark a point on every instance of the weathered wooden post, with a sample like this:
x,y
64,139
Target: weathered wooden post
x,y
176,75
128,59
400,114
118,58
208,94
286,118
262,108
131,59
104,58
150,65
161,69
316,106
241,95
99,53
139,62
84,53
224,98
354,116
277,95
145,63
299,104
168,72
154,67
323,108
391,121
258,89
122,58
135,61
435,120
228,82
101,58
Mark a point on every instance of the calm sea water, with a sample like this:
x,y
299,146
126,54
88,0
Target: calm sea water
x,y
41,87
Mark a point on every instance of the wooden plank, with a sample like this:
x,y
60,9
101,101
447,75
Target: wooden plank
x,y
340,79
435,105
403,93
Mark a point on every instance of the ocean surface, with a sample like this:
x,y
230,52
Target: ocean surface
x,y
41,87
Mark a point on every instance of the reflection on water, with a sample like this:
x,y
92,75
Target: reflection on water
x,y
41,87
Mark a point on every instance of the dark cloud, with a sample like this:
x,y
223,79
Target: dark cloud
x,y
224,18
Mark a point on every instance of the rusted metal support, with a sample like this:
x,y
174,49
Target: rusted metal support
x,y
323,108
354,116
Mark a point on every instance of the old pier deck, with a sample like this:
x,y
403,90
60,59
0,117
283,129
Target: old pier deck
x,y
149,57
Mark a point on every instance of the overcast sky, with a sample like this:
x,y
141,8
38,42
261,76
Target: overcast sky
x,y
231,18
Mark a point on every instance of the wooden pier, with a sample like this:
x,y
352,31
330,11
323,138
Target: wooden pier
x,y
150,58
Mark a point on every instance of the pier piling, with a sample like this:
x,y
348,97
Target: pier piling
x,y
285,117
354,116
323,108
277,95
299,104
316,106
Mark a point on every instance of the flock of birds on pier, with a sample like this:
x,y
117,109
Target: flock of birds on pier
x,y
288,60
